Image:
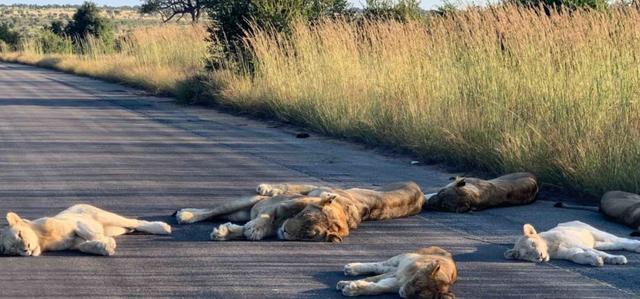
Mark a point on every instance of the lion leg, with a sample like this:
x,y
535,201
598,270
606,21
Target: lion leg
x,y
278,189
619,244
580,256
104,246
610,258
341,284
260,227
377,268
189,215
362,287
227,231
115,221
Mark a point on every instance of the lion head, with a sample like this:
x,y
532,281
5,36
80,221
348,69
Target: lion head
x,y
530,247
325,221
19,238
431,282
452,198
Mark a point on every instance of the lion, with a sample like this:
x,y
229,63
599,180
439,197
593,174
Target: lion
x,y
574,241
426,273
619,206
307,212
81,227
471,194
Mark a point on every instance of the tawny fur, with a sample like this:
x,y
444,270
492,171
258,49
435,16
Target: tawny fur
x,y
575,241
469,194
80,227
426,273
307,212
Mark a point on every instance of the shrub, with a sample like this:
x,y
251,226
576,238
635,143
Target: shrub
x,y
10,37
88,22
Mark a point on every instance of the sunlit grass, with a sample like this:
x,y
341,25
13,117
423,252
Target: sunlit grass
x,y
156,58
500,89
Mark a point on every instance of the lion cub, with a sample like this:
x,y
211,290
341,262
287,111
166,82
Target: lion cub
x,y
80,227
575,241
425,273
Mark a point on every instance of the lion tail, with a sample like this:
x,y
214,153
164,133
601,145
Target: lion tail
x,y
576,207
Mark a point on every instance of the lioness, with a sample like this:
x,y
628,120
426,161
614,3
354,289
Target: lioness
x,y
80,227
425,273
306,212
619,206
575,241
470,194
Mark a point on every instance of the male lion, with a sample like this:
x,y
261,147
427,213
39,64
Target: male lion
x,y
425,273
575,241
306,212
619,206
470,194
80,227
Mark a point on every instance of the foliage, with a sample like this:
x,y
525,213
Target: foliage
x,y
8,36
169,9
401,10
567,4
88,22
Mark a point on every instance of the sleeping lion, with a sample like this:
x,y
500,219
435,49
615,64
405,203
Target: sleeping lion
x,y
575,241
80,227
470,194
619,206
426,273
307,212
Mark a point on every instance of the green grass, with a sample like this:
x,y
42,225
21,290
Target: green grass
x,y
498,89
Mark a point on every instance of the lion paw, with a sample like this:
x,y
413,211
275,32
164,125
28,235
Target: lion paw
x,y
616,260
350,269
268,190
341,284
254,231
185,216
597,262
221,233
107,247
353,288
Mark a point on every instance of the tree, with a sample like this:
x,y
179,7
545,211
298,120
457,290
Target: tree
x,y
87,21
57,27
168,9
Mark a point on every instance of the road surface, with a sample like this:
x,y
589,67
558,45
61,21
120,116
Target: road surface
x,y
66,139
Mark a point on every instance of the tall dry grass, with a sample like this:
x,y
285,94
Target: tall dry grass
x,y
156,58
501,89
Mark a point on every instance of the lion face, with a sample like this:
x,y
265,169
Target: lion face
x,y
428,283
530,247
321,222
451,198
19,238
308,225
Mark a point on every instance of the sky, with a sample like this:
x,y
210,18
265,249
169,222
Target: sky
x,y
425,3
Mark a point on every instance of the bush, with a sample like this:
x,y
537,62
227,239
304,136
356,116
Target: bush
x,y
88,22
567,4
10,37
48,43
233,18
401,10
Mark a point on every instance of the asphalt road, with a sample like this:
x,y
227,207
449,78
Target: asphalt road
x,y
66,139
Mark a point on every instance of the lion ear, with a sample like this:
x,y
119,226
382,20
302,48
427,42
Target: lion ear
x,y
334,238
511,254
461,183
327,198
528,230
13,218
